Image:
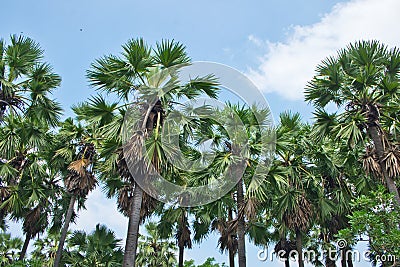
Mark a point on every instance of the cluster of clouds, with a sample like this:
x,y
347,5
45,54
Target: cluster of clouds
x,y
287,66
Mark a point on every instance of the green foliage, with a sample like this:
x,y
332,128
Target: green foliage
x,y
99,249
26,82
210,262
378,217
316,169
154,251
9,249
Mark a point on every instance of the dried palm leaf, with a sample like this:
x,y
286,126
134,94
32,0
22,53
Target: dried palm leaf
x,y
251,207
79,166
371,165
300,217
391,161
125,199
80,184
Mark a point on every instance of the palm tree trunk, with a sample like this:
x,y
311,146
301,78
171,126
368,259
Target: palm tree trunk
x,y
343,260
64,231
133,228
299,246
287,262
230,249
241,225
134,216
329,262
283,242
25,246
349,262
390,184
181,252
346,259
231,258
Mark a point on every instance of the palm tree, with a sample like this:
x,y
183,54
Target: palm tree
x,y
23,167
132,76
26,113
26,81
28,186
79,179
296,198
154,251
228,240
176,218
99,249
364,80
227,144
338,180
106,120
33,225
40,195
218,216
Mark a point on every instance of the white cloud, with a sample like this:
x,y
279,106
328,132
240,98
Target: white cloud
x,y
256,41
287,66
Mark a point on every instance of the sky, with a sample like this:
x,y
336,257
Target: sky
x,y
276,43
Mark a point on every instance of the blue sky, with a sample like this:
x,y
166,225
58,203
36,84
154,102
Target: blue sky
x,y
277,43
74,33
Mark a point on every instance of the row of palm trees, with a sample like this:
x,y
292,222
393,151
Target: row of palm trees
x,y
298,197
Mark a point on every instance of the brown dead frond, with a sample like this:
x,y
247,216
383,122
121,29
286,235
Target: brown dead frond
x,y
300,217
391,161
80,184
125,196
79,166
370,163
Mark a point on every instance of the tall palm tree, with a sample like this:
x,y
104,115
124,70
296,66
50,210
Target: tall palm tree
x,y
338,179
23,166
296,199
26,82
106,120
132,76
363,81
28,186
256,122
79,179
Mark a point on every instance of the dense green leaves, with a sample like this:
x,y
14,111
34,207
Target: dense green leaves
x,y
376,216
321,180
100,248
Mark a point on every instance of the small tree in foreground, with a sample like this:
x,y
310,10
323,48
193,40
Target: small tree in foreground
x,y
378,217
